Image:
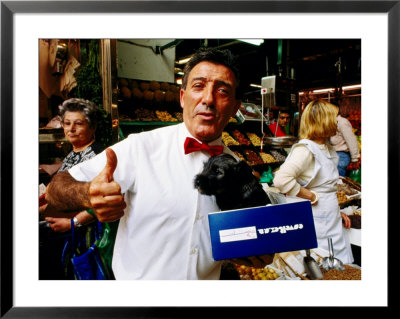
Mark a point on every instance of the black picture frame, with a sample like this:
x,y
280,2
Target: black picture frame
x,y
9,8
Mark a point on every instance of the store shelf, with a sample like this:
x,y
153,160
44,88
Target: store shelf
x,y
51,135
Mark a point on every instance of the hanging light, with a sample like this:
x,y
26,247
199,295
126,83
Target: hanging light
x,y
252,41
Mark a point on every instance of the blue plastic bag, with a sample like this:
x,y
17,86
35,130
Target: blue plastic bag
x,y
87,266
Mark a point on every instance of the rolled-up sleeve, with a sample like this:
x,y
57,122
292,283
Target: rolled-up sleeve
x,y
295,168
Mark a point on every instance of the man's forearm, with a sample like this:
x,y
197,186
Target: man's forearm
x,y
64,193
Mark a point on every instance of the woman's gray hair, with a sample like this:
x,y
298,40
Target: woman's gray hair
x,y
86,107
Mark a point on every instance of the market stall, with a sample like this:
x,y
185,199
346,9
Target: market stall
x,y
145,95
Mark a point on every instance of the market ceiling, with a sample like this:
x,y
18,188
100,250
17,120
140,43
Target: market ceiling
x,y
314,63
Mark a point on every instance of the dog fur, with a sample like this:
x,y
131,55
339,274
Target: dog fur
x,y
231,182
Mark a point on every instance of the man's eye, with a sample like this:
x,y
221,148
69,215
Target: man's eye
x,y
197,84
224,91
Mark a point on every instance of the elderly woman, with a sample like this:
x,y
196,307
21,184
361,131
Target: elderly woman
x,y
310,172
79,119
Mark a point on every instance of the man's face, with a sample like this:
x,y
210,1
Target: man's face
x,y
284,119
209,100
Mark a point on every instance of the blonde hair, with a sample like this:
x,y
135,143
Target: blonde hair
x,y
319,120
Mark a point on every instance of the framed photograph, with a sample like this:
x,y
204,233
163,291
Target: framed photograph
x,y
23,23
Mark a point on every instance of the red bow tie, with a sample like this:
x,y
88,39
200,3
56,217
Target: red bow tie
x,y
191,145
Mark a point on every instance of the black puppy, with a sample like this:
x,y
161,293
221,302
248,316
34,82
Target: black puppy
x,y
232,182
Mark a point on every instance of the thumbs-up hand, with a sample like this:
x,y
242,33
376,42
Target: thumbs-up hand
x,y
105,194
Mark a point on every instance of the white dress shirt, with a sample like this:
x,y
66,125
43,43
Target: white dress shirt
x,y
164,233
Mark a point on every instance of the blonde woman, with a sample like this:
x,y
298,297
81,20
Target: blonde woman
x,y
310,172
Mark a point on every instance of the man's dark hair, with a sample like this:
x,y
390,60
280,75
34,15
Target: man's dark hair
x,y
284,110
223,57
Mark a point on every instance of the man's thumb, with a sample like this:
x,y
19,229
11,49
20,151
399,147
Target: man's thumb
x,y
111,164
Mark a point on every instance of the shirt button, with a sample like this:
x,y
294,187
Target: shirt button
x,y
193,251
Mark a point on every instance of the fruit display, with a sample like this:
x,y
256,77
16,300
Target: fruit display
x,y
253,158
164,86
145,115
349,273
148,101
148,95
228,140
240,138
267,158
159,96
271,272
170,96
342,198
278,156
254,139
179,116
137,93
252,273
292,266
239,155
154,85
246,144
144,86
164,116
126,93
149,92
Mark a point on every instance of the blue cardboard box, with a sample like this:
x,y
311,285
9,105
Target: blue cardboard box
x,y
262,230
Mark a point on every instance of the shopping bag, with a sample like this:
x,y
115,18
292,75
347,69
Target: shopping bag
x,y
88,265
105,246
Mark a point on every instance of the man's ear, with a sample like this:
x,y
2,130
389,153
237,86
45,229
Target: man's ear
x,y
181,97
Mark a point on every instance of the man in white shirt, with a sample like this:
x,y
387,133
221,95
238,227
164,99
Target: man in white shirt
x,y
146,180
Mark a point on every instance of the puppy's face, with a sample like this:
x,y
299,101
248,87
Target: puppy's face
x,y
220,173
